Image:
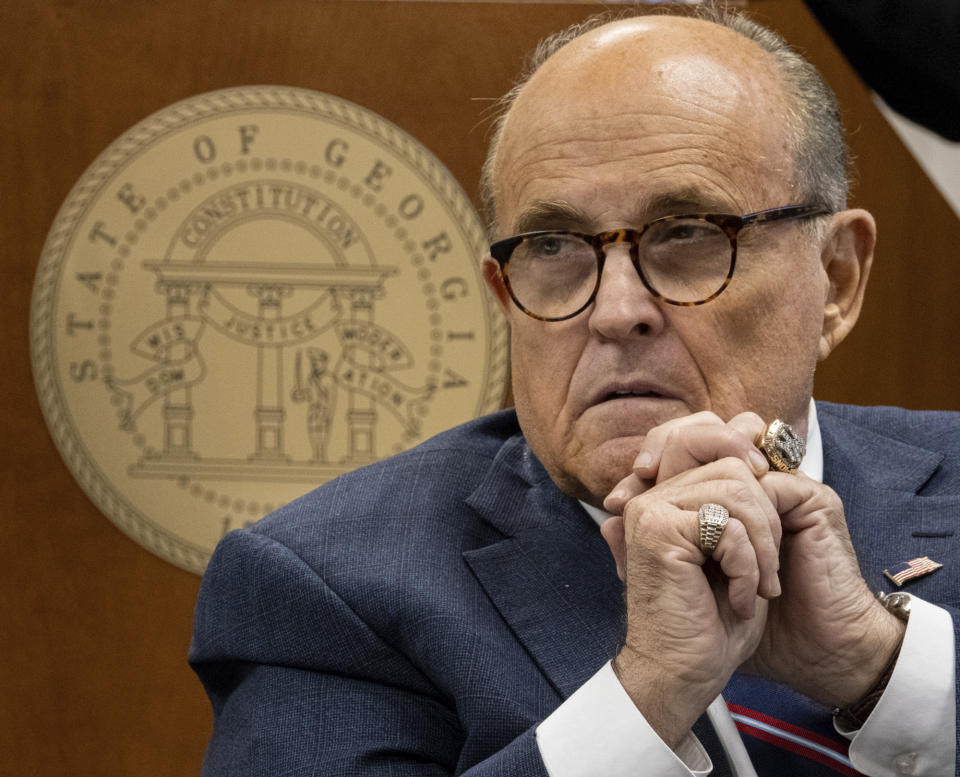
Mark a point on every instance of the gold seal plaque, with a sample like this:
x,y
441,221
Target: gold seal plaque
x,y
247,294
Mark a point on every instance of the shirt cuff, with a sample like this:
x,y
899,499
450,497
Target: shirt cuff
x,y
913,727
599,730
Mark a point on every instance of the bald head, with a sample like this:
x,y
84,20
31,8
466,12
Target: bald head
x,y
725,68
646,52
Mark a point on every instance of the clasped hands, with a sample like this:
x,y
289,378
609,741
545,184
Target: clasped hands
x,y
781,596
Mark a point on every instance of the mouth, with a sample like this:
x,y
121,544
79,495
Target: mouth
x,y
612,395
619,391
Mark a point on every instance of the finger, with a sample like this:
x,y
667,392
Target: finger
x,y
738,485
728,482
685,446
612,530
647,461
738,561
761,522
649,458
749,424
665,535
623,492
692,447
802,501
787,490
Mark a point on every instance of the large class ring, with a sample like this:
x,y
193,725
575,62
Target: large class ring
x,y
781,446
713,520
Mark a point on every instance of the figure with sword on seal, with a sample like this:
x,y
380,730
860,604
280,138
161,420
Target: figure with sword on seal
x,y
319,391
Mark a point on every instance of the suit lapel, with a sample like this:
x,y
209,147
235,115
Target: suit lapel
x,y
878,479
551,576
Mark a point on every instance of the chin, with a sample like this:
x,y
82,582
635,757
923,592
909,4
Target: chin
x,y
602,467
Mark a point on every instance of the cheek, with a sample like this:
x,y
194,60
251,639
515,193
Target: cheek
x,y
779,297
543,363
541,367
762,348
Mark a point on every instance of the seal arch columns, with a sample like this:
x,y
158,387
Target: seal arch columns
x,y
225,252
361,414
269,331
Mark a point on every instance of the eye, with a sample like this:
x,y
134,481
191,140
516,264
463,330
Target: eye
x,y
683,234
687,230
549,246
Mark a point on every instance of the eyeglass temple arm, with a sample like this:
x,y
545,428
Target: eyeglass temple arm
x,y
786,212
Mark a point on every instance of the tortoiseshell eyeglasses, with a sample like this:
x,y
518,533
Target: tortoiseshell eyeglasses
x,y
683,260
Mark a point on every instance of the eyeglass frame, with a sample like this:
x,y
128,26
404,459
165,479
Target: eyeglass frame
x,y
502,250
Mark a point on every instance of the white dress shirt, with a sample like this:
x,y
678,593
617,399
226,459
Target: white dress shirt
x,y
598,730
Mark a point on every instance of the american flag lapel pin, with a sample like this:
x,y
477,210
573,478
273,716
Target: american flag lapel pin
x,y
909,570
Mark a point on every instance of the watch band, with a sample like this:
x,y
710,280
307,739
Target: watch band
x,y
853,716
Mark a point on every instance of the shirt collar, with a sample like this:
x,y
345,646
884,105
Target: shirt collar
x,y
811,465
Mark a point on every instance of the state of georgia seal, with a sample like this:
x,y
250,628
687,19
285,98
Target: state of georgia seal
x,y
248,293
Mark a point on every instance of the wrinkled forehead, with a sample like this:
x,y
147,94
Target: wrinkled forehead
x,y
626,62
659,79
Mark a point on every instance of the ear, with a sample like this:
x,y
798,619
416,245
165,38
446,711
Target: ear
x,y
494,279
847,255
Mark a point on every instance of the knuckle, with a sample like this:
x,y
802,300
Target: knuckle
x,y
672,436
641,508
736,532
655,438
633,509
832,499
749,419
736,553
737,467
735,489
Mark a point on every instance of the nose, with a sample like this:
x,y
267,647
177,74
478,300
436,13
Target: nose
x,y
623,306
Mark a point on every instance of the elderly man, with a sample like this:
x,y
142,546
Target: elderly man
x,y
674,256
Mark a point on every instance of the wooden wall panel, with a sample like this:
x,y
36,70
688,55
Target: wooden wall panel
x,y
95,629
904,350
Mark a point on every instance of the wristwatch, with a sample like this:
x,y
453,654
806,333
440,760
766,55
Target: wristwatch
x,y
852,717
898,603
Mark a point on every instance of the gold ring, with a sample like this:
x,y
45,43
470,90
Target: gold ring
x,y
781,446
713,520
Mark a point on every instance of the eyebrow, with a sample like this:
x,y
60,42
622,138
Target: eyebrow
x,y
543,214
558,214
685,200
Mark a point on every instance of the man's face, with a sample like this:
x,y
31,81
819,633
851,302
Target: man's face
x,y
634,121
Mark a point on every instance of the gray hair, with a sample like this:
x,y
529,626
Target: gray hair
x,y
821,156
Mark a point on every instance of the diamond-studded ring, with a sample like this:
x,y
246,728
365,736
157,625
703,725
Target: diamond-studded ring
x,y
781,446
713,520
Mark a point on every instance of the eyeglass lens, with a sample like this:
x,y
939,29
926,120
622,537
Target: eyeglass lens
x,y
685,260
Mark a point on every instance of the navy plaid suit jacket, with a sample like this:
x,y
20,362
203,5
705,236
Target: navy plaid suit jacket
x,y
421,616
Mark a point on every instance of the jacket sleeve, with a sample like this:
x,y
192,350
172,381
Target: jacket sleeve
x,y
299,684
